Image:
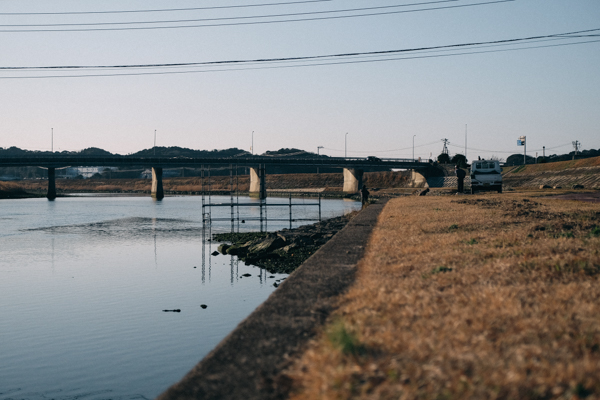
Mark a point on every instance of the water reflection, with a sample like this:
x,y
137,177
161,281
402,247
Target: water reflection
x,y
83,283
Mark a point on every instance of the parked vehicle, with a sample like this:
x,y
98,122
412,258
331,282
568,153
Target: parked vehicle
x,y
486,175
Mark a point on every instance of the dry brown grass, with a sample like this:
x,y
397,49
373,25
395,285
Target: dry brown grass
x,y
559,166
492,296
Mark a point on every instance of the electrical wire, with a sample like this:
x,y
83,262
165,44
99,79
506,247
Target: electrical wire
x,y
386,151
287,66
296,14
239,23
287,3
508,152
307,58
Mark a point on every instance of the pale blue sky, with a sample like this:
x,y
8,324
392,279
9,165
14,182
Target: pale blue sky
x,y
551,95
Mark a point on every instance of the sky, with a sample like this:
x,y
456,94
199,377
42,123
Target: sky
x,y
481,98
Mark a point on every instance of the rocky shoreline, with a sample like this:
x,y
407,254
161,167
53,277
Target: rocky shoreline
x,y
282,251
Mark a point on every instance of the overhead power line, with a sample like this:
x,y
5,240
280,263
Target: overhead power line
x,y
295,14
315,64
511,152
285,3
285,19
304,58
384,151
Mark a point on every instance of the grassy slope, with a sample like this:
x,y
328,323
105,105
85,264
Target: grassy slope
x,y
492,296
555,166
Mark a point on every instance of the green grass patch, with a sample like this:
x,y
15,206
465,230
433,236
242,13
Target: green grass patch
x,y
345,340
440,269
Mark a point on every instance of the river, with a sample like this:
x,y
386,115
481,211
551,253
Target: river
x,y
84,281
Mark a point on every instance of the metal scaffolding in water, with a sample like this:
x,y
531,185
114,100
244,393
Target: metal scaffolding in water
x,y
235,205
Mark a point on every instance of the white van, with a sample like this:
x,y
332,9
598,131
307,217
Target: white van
x,y
486,175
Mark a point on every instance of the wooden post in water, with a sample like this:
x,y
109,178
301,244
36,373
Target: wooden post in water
x,y
51,195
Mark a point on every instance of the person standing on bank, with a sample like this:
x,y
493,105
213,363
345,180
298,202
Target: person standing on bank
x,y
364,196
460,174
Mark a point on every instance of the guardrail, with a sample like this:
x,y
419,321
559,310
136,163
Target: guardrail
x,y
62,161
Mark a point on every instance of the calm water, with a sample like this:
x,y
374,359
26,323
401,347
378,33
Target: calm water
x,y
84,280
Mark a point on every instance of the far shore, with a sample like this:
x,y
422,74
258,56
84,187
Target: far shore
x,y
327,185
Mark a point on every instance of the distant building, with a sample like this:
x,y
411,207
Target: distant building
x,y
85,172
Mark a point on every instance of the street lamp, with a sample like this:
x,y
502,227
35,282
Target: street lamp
x,y
346,145
414,147
318,148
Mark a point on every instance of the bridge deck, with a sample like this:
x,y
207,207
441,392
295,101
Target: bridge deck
x,y
166,162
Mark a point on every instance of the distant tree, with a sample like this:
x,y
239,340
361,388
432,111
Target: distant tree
x,y
459,160
517,159
443,158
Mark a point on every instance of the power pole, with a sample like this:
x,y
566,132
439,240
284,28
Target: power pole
x,y
576,145
445,149
465,143
318,148
346,145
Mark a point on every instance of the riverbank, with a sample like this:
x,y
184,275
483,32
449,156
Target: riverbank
x,y
248,363
329,185
12,190
584,173
487,296
282,251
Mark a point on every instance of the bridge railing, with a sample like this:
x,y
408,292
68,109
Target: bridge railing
x,y
61,161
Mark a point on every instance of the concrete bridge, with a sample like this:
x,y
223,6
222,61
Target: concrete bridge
x,y
352,167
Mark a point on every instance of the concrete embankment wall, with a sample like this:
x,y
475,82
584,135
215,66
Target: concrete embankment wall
x,y
588,177
248,363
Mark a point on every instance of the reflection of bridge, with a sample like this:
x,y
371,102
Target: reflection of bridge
x,y
352,167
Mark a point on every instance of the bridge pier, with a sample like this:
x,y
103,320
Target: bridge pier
x,y
51,195
417,180
258,187
157,185
353,180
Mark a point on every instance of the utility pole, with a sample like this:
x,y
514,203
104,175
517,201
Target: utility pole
x,y
445,149
52,139
318,148
155,142
252,145
413,158
522,141
576,145
346,145
465,142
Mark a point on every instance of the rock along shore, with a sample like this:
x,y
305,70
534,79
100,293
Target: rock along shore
x,y
282,251
248,363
